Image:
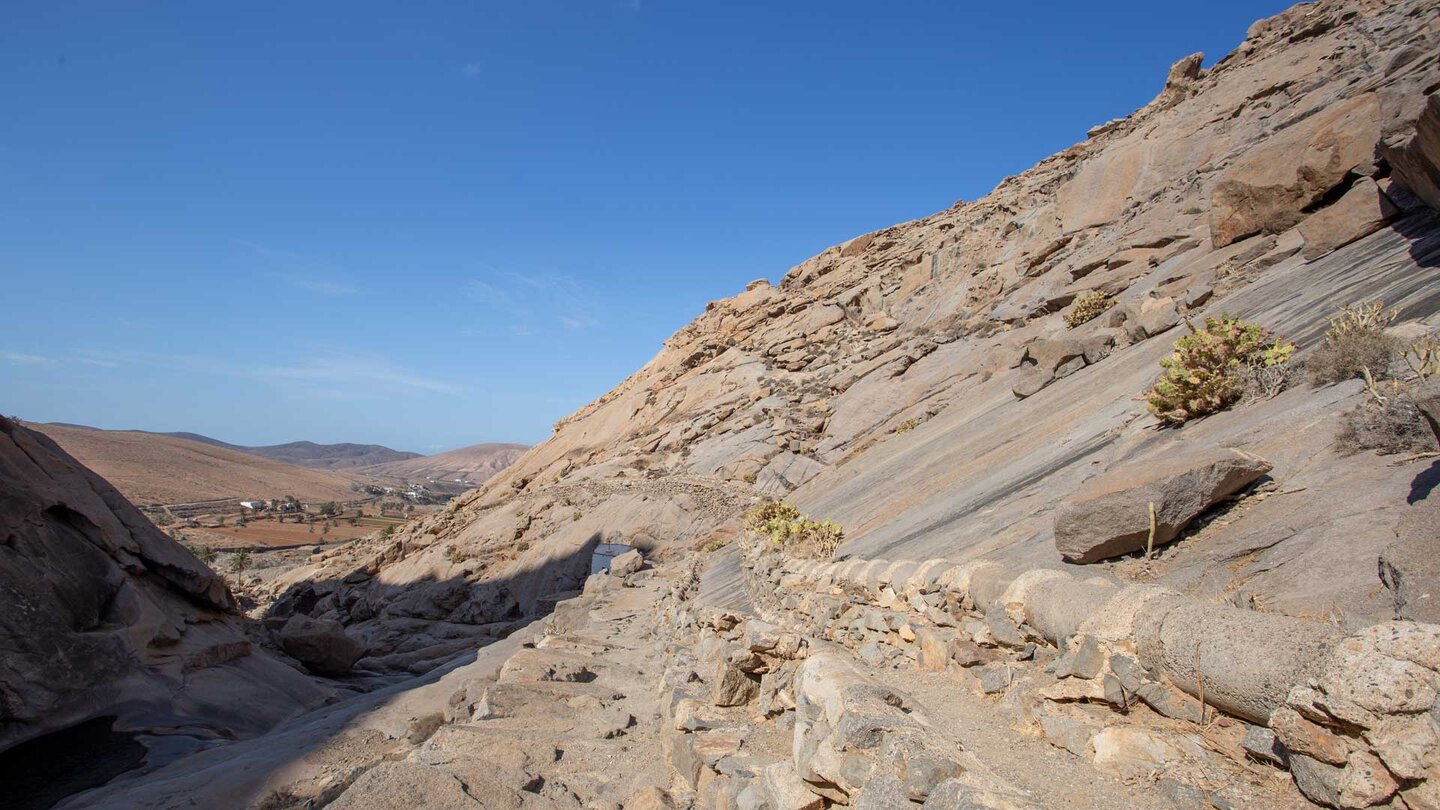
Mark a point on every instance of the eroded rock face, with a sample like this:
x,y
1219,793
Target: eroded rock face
x,y
104,614
1413,146
1268,189
1409,568
1110,514
1365,728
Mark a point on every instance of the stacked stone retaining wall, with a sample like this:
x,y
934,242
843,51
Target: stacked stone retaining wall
x,y
1355,717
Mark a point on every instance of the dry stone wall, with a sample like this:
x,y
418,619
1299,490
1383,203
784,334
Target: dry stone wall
x,y
848,739
1353,717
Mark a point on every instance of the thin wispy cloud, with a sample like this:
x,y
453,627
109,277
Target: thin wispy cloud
x,y
472,70
336,374
321,286
535,301
300,271
359,370
24,359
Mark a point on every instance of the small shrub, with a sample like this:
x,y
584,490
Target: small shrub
x,y
1204,374
716,544
1259,382
1355,343
1086,308
908,425
802,536
762,514
457,555
1389,426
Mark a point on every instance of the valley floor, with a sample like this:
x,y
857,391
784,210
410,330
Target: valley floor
x,y
581,710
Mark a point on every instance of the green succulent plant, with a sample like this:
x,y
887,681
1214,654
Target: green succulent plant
x,y
1204,374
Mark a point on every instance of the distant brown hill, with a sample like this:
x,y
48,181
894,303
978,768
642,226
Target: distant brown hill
x,y
343,456
339,456
471,465
150,468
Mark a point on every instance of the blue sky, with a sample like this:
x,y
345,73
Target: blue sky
x,y
433,224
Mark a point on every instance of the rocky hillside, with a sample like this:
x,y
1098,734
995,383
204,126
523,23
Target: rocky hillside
x,y
919,384
473,465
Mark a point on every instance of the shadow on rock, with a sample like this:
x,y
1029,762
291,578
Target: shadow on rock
x,y
387,628
1423,231
1424,484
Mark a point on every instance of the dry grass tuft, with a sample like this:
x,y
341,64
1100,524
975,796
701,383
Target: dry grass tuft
x,y
1389,426
1356,343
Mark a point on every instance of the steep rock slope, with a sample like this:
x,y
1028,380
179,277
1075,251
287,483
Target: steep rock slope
x,y
106,616
918,384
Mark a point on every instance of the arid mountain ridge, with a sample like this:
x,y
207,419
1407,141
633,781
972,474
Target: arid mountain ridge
x,y
171,468
302,453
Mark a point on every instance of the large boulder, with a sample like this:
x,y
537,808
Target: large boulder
x,y
321,645
1410,566
1363,210
627,563
1413,151
1427,400
1269,187
1046,360
1110,514
102,614
1149,317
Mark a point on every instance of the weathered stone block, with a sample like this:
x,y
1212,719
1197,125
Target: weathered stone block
x,y
1363,210
1109,514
